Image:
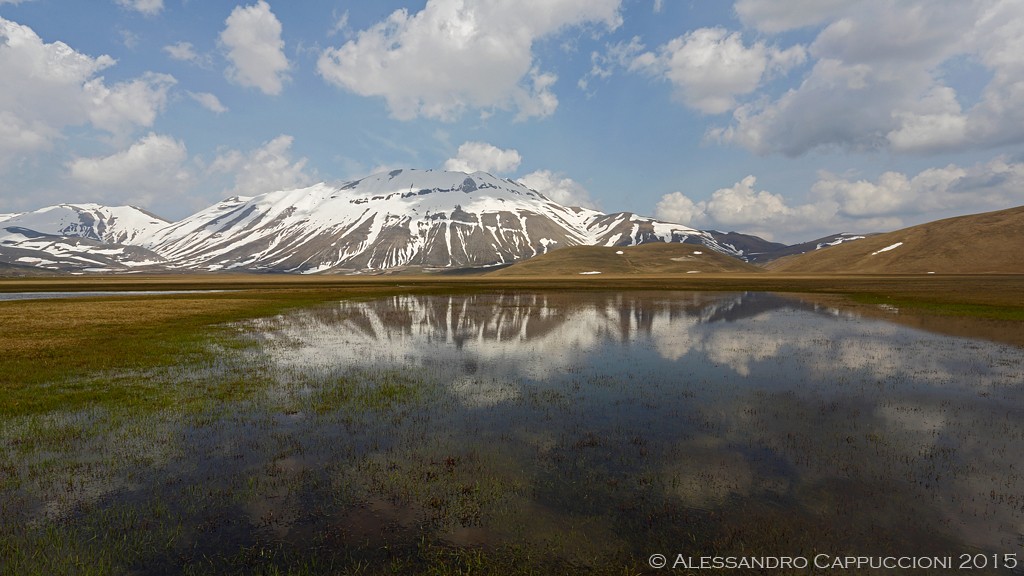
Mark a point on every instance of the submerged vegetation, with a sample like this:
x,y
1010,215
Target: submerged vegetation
x,y
312,429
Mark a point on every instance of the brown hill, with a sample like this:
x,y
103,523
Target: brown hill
x,y
989,243
652,258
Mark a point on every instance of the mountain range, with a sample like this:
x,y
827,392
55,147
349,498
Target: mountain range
x,y
418,219
403,220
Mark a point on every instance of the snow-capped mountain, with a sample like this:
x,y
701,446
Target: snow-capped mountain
x,y
107,224
79,237
421,218
782,250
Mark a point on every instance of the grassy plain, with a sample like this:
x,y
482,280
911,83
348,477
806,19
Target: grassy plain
x,y
102,395
56,341
48,341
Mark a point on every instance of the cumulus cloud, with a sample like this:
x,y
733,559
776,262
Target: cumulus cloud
x,y
559,188
252,37
878,81
710,67
840,203
268,168
122,107
452,56
51,86
937,191
147,7
151,168
678,207
208,101
740,207
474,156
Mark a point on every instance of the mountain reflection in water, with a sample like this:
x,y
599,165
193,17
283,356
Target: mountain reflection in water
x,y
791,411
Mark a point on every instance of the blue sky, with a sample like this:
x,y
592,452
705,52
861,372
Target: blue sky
x,y
786,119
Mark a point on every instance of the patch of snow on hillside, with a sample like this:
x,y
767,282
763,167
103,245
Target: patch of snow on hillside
x,y
887,248
837,241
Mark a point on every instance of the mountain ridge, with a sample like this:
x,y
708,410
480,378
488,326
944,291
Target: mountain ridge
x,y
419,219
985,243
415,221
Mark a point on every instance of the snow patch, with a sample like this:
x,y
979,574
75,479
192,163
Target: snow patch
x,y
887,248
591,272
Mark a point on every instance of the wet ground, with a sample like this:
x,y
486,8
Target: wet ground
x,y
531,432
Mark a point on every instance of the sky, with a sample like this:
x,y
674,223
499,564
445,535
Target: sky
x,y
786,119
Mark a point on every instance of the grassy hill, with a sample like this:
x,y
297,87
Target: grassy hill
x,y
989,243
653,258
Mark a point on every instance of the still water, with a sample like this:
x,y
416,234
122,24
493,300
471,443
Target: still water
x,y
572,432
764,421
5,296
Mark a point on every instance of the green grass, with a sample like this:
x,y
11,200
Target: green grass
x,y
945,308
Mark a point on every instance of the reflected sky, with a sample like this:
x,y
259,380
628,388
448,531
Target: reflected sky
x,y
736,399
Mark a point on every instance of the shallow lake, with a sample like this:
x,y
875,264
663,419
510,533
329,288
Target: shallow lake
x,y
568,432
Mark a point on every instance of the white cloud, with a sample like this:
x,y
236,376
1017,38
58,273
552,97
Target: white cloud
x,y
936,191
252,36
679,208
474,156
739,207
341,26
147,7
878,80
710,67
186,52
268,168
18,134
183,51
774,16
129,39
208,101
50,86
453,56
119,109
842,204
150,169
565,191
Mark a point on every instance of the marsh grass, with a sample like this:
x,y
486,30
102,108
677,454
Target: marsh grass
x,y
946,308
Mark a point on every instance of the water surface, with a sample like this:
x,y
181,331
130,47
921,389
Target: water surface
x,y
568,432
744,404
60,295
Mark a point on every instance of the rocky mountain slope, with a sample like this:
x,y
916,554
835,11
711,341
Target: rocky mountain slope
x,y
79,237
404,218
652,258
